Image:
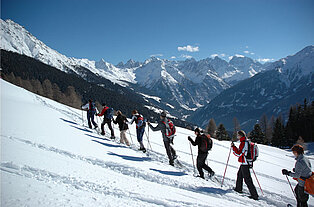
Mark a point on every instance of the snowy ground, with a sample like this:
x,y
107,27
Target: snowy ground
x,y
48,158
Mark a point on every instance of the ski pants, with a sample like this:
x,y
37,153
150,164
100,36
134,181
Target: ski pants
x,y
302,197
244,173
123,138
170,151
140,133
200,163
90,118
106,121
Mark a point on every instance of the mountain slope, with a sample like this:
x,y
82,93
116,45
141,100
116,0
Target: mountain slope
x,y
65,164
285,83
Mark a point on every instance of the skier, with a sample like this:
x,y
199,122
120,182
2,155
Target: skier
x,y
123,126
162,126
107,113
301,172
203,143
244,170
90,107
140,128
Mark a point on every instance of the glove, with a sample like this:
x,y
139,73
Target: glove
x,y
285,172
148,123
190,139
232,144
293,170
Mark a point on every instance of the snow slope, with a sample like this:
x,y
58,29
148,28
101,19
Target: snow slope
x,y
48,158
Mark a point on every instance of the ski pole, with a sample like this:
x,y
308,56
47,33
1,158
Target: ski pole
x,y
257,181
291,187
131,137
223,178
148,142
192,158
82,118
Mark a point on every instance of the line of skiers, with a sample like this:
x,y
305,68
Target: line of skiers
x,y
246,152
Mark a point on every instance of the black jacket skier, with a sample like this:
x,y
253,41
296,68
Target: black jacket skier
x,y
202,154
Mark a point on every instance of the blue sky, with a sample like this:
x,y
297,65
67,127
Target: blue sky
x,y
118,30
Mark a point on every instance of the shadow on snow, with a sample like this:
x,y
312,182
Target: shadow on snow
x,y
71,122
131,158
212,190
173,173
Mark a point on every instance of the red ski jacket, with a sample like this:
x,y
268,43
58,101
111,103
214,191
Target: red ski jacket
x,y
103,111
241,151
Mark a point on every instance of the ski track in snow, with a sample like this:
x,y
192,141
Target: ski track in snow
x,y
45,176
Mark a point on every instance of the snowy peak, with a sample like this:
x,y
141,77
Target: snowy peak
x,y
300,64
129,64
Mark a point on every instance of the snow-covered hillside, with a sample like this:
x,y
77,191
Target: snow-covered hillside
x,y
48,158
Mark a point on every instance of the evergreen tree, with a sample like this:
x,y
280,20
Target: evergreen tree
x,y
221,133
263,122
257,135
278,139
211,128
291,127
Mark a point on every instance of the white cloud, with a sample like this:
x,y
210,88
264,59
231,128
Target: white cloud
x,y
186,56
157,55
222,55
189,48
246,52
246,47
252,53
173,57
214,55
265,60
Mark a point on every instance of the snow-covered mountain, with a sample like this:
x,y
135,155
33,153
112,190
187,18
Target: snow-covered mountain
x,y
186,85
17,39
286,82
67,164
237,69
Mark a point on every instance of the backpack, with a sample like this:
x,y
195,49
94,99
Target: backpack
x,y
206,143
170,128
109,113
252,153
92,107
140,118
309,185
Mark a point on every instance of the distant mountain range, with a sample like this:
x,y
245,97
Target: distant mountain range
x,y
284,83
190,89
182,86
